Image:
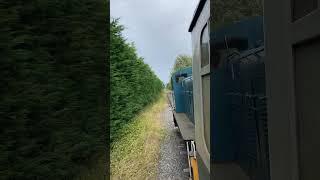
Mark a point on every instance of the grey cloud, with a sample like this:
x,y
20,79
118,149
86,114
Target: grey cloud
x,y
159,29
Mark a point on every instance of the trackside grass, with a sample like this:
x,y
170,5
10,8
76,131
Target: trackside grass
x,y
136,155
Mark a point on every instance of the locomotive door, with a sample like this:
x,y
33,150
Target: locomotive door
x,y
292,32
205,83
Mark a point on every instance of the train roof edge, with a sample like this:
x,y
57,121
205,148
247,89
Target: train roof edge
x,y
196,14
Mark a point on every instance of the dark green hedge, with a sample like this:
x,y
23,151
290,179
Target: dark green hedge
x,y
133,83
52,86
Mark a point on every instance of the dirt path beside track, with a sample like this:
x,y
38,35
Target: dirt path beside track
x,y
173,155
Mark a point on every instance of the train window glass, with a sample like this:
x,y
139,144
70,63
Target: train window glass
x,y
206,108
237,26
180,77
177,79
231,11
205,47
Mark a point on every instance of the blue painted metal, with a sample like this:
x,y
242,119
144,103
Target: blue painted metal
x,y
178,90
222,145
242,35
249,114
239,130
238,111
230,41
188,95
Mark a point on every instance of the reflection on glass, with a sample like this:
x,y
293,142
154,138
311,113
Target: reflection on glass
x,y
225,12
205,47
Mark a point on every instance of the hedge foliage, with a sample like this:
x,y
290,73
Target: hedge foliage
x,y
133,83
52,87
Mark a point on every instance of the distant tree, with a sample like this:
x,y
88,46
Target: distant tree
x,y
181,61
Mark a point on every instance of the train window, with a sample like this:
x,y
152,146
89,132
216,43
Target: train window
x,y
205,83
226,13
205,47
180,77
206,108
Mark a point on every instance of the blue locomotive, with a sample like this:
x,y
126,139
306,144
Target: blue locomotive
x,y
253,112
219,104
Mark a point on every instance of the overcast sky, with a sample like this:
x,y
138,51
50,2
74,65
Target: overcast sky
x,y
159,29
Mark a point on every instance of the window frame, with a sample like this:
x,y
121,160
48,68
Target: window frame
x,y
205,71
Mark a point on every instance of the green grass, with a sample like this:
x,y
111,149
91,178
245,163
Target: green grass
x,y
136,155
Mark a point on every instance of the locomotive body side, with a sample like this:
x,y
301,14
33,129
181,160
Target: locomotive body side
x,y
200,28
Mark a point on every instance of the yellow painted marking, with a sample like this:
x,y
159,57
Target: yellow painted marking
x,y
194,166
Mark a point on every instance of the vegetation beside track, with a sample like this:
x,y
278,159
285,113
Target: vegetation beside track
x,y
52,87
136,154
133,83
